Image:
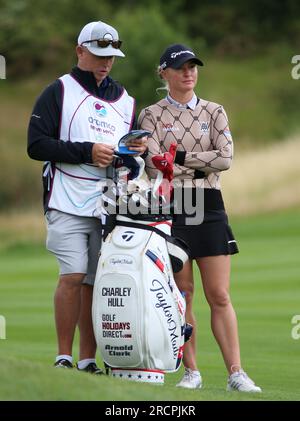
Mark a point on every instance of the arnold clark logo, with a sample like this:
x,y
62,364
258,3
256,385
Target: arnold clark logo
x,y
2,67
2,327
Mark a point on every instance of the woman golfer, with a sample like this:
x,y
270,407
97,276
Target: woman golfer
x,y
204,149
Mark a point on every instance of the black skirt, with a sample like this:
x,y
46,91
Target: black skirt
x,y
212,237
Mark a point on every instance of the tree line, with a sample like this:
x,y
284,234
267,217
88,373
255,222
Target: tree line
x,y
39,35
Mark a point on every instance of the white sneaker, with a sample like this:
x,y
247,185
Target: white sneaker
x,y
241,382
190,380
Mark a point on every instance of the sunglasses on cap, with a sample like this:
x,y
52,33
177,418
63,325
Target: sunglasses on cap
x,y
103,43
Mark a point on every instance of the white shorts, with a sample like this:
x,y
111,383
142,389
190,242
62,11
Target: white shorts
x,y
76,243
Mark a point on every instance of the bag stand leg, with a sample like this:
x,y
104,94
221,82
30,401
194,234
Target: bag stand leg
x,y
107,368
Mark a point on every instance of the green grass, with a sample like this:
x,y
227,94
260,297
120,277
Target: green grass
x,y
265,292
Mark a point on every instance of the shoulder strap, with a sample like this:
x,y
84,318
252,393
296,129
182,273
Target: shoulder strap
x,y
178,250
143,227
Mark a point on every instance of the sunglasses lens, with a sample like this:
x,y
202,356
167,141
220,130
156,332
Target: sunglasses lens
x,y
103,43
116,44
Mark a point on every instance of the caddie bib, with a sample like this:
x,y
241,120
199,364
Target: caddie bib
x,y
74,187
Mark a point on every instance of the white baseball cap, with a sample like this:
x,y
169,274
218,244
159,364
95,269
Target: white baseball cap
x,y
100,39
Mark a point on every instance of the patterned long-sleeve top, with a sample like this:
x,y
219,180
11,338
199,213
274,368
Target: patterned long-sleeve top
x,y
202,135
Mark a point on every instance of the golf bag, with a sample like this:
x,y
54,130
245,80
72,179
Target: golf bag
x,y
138,312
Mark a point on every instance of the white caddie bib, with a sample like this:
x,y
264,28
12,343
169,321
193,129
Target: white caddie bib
x,y
74,188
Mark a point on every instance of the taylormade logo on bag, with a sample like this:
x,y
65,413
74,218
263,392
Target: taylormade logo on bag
x,y
120,261
162,303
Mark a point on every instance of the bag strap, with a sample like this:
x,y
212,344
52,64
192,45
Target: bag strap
x,y
169,239
144,227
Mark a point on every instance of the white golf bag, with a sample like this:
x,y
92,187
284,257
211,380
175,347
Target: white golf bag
x,y
138,311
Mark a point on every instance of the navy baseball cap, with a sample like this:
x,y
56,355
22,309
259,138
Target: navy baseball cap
x,y
176,55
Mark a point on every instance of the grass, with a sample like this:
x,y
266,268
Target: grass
x,y
265,293
263,179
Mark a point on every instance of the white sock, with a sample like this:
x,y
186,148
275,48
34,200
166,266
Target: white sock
x,y
64,357
82,364
195,372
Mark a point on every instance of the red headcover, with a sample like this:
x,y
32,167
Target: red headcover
x,y
164,163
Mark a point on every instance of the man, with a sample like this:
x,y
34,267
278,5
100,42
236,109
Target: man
x,y
75,126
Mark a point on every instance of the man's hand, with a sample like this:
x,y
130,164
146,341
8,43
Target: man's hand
x,y
102,155
138,145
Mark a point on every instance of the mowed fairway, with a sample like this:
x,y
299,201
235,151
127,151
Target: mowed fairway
x,y
265,291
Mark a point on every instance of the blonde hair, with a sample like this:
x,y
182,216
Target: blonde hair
x,y
165,86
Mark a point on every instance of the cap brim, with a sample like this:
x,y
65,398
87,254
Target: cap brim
x,y
183,60
105,52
